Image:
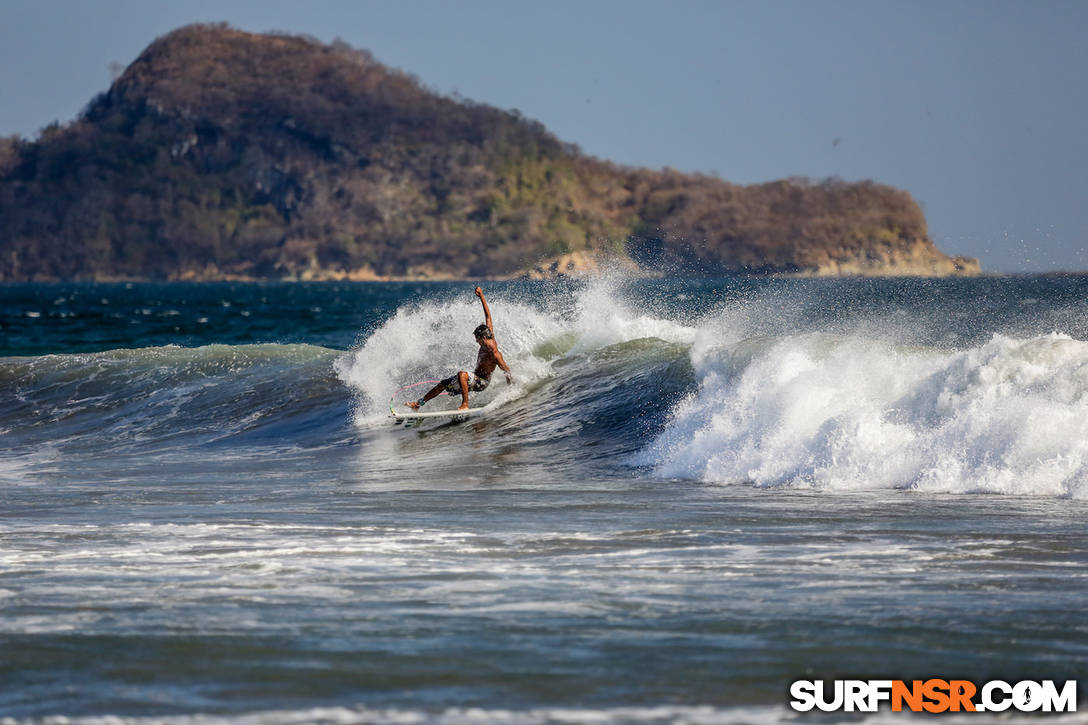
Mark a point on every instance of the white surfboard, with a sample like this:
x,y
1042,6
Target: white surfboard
x,y
410,414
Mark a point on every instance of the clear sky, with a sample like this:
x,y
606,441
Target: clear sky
x,y
978,108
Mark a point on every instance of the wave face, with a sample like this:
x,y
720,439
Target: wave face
x,y
169,399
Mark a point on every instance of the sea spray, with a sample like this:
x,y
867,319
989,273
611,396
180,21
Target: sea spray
x,y
432,340
839,412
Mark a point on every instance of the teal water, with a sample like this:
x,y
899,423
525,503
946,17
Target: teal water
x,y
693,494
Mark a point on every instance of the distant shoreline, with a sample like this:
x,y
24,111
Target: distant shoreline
x,y
575,278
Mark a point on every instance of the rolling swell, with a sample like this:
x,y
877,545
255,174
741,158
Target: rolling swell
x,y
161,398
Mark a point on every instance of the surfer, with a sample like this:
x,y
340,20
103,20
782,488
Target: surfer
x,y
487,359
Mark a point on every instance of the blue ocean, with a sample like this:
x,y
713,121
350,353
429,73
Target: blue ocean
x,y
693,494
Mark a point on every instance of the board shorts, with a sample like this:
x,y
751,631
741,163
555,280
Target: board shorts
x,y
453,385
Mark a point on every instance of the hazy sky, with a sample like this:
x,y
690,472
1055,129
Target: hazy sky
x,y
979,109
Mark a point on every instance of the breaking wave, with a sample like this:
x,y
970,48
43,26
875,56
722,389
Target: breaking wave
x,y
730,390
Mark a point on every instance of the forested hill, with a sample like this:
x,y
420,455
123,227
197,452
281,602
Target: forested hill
x,y
220,154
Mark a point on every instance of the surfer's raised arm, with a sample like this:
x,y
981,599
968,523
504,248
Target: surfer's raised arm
x,y
487,311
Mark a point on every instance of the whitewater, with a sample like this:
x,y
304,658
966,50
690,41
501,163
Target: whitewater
x,y
694,492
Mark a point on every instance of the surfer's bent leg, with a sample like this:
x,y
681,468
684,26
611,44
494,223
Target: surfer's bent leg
x,y
433,392
462,378
453,385
458,383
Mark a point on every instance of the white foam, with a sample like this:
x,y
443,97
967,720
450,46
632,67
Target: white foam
x,y
432,340
849,412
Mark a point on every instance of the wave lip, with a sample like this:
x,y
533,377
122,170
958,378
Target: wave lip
x,y
839,412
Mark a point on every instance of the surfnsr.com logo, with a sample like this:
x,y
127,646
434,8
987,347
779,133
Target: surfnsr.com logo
x,y
933,696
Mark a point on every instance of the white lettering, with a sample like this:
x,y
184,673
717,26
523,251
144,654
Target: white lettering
x,y
879,691
834,704
803,694
992,705
1065,701
1027,696
855,695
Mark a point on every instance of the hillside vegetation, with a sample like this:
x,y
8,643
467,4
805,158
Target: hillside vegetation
x,y
221,154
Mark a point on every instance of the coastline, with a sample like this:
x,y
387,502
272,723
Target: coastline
x,y
537,273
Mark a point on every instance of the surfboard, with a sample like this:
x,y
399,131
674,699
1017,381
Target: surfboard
x,y
414,415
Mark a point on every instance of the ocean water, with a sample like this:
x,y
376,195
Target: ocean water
x,y
693,494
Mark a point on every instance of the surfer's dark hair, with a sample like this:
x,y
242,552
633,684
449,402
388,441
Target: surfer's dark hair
x,y
483,331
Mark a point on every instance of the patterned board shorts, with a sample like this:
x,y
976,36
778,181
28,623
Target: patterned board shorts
x,y
453,385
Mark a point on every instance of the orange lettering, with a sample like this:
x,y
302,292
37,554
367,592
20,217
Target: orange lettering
x,y
937,692
961,693
912,695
